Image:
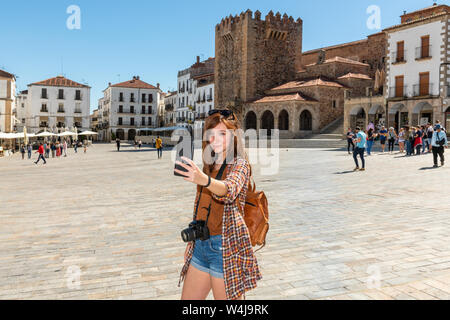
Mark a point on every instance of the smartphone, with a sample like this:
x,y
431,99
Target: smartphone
x,y
184,148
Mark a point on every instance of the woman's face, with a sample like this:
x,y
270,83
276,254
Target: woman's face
x,y
219,138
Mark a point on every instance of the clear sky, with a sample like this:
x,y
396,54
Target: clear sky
x,y
155,39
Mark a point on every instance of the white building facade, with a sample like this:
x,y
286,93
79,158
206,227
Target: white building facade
x,y
7,101
57,104
127,107
418,70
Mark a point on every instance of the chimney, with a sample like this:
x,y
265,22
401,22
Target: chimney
x,y
198,59
157,85
109,84
137,77
134,77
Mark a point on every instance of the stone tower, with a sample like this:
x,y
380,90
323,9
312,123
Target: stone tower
x,y
254,55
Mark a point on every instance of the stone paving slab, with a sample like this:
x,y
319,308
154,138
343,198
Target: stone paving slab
x,y
117,217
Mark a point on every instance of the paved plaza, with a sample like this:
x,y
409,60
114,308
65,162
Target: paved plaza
x,y
115,219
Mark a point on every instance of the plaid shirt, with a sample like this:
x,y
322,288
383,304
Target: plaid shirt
x,y
241,271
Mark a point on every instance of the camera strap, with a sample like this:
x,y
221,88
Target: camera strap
x,y
218,177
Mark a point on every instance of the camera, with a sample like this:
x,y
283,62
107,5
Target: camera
x,y
198,230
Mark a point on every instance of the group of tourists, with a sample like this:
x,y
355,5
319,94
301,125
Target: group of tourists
x,y
157,144
55,148
414,140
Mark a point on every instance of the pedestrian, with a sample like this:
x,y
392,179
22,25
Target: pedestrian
x,y
212,263
85,143
410,141
370,140
58,150
159,147
118,144
361,144
75,146
65,147
53,149
429,134
370,126
41,154
392,137
401,140
22,151
350,137
135,144
418,140
154,143
30,150
45,148
383,137
439,142
140,144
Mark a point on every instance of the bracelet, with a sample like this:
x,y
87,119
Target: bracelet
x,y
209,182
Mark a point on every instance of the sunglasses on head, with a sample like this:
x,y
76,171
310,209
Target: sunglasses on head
x,y
224,113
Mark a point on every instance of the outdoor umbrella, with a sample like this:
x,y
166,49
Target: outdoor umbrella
x,y
66,134
88,133
45,134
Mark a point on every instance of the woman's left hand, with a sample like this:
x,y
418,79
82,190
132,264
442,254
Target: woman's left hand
x,y
194,174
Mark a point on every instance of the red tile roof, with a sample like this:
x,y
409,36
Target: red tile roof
x,y
341,60
289,85
59,81
6,74
286,97
321,82
134,83
356,76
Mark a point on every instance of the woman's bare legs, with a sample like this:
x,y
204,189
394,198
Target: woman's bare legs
x,y
218,288
197,285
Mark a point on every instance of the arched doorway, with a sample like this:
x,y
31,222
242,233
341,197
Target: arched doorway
x,y
283,120
131,134
267,122
358,118
305,121
422,114
120,134
377,115
250,121
398,116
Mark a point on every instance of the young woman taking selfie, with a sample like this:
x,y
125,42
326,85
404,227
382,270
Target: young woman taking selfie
x,y
219,253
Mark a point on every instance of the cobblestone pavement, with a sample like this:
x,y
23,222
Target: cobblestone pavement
x,y
116,217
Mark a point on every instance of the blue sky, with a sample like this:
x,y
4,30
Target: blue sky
x,y
155,39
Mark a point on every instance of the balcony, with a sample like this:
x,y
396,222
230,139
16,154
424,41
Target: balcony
x,y
448,91
43,125
44,110
61,97
423,52
105,113
397,92
120,99
132,100
44,96
422,90
126,112
61,111
398,58
78,98
77,111
209,98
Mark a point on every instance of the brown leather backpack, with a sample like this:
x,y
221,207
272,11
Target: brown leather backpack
x,y
256,215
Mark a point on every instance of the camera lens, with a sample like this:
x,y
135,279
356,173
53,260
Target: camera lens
x,y
188,235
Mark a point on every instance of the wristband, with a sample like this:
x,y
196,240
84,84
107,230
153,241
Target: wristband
x,y
209,182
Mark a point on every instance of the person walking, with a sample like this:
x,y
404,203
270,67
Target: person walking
x,y
154,142
361,143
392,137
85,144
53,149
401,140
58,150
30,150
140,144
418,141
439,142
370,140
213,263
41,154
65,147
410,141
159,147
22,151
430,132
75,146
118,144
383,137
350,137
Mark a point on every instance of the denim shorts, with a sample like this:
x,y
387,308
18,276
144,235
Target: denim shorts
x,y
208,256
